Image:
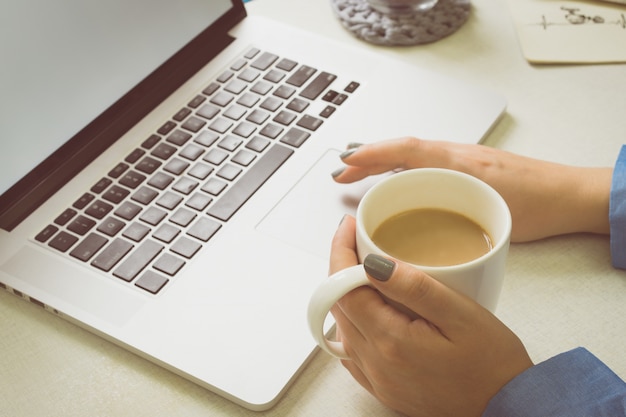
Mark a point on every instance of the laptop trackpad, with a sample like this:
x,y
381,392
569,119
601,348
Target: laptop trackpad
x,y
308,215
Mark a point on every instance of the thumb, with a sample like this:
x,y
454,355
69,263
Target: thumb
x,y
416,290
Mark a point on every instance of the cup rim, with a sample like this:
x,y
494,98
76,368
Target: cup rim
x,y
501,243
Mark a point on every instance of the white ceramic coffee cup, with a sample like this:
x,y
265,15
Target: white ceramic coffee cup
x,y
481,279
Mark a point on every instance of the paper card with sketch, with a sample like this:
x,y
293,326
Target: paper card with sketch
x,y
553,31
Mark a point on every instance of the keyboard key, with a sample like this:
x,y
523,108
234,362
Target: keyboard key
x,y
65,217
274,76
183,217
222,99
301,75
220,125
257,144
185,247
136,231
284,118
166,128
151,282
249,75
298,105
193,124
228,172
112,254
318,85
63,241
295,137
164,151
230,143
176,166
309,122
88,247
153,216
271,131
244,158
148,165
143,195
214,186
101,185
169,264
115,194
132,179
127,210
118,170
351,88
211,88
208,111
160,180
204,229
111,226
166,233
264,61
244,129
191,152
235,112
226,75
196,101
258,116
82,202
198,201
181,114
46,233
169,200
284,91
138,260
206,138
236,86
249,183
248,100
138,153
151,141
215,156
271,104
286,64
81,225
200,171
185,185
261,87
99,209
327,111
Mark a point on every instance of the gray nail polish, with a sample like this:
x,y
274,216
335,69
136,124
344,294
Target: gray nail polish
x,y
337,172
347,153
378,267
353,145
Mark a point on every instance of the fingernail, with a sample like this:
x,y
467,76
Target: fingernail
x,y
353,145
338,172
347,153
378,267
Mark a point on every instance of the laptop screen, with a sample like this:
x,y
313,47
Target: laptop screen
x,y
65,61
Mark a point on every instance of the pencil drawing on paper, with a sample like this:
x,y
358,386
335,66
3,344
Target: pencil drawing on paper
x,y
574,16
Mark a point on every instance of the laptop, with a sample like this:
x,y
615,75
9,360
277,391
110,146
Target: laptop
x,y
165,174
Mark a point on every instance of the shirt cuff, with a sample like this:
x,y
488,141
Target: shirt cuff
x,y
617,212
574,383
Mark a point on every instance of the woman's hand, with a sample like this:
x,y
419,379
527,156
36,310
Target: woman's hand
x,y
449,363
545,198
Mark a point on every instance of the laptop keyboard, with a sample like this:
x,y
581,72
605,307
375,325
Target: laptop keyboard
x,y
153,211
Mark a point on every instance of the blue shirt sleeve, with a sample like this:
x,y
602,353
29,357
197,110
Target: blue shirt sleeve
x,y
572,384
617,212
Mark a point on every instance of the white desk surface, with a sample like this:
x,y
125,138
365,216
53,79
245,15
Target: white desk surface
x,y
559,293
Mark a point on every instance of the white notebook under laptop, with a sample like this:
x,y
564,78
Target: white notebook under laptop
x,y
165,174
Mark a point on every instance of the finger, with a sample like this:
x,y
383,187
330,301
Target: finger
x,y
445,308
343,246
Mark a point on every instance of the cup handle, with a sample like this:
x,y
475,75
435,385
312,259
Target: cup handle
x,y
324,297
